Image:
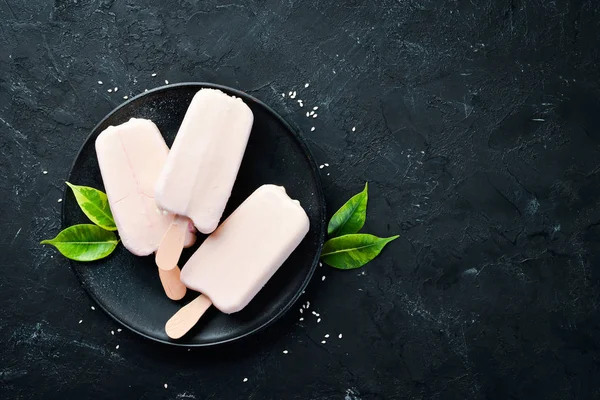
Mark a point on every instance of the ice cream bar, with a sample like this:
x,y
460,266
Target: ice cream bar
x,y
237,259
201,168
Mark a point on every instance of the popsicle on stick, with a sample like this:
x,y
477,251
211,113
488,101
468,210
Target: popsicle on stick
x,y
201,168
130,157
237,259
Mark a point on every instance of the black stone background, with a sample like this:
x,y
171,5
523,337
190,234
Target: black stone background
x,y
476,126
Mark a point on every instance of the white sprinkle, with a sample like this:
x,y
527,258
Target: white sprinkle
x,y
119,330
112,332
323,341
117,347
306,85
326,335
166,386
311,113
99,82
109,90
312,129
93,308
154,74
307,114
166,82
353,129
327,165
116,88
318,320
45,172
290,94
315,116
245,380
301,311
323,278
301,319
282,94
340,336
285,352
80,321
315,108
60,200
321,166
125,97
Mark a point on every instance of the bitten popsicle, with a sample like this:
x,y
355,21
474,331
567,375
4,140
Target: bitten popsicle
x,y
237,259
201,168
130,157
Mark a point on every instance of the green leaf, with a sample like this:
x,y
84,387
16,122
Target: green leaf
x,y
353,251
85,242
350,218
94,204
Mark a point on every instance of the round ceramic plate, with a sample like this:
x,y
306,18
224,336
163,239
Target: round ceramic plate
x,y
128,288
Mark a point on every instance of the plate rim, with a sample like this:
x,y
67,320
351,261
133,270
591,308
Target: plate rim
x,y
319,194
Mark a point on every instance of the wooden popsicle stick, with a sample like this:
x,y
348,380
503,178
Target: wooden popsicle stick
x,y
170,248
174,289
185,319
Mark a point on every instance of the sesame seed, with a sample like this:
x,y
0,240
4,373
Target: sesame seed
x,y
323,278
323,341
327,165
318,320
306,85
301,319
314,313
307,114
290,94
154,74
245,380
285,352
320,264
166,386
125,97
145,90
109,90
119,330
326,335
45,172
315,108
282,94
312,129
93,308
321,166
117,347
307,304
112,332
165,212
301,311
353,129
60,200
340,336
315,116
166,82
311,113
116,88
99,82
80,321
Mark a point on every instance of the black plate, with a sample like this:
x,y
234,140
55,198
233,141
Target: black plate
x,y
128,288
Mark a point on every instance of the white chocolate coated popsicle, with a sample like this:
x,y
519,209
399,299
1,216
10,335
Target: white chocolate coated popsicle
x,y
131,156
202,166
237,259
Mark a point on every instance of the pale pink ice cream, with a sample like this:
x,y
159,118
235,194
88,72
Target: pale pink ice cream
x,y
200,171
237,259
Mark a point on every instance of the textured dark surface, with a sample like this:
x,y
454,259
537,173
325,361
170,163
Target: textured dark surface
x,y
127,286
476,126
